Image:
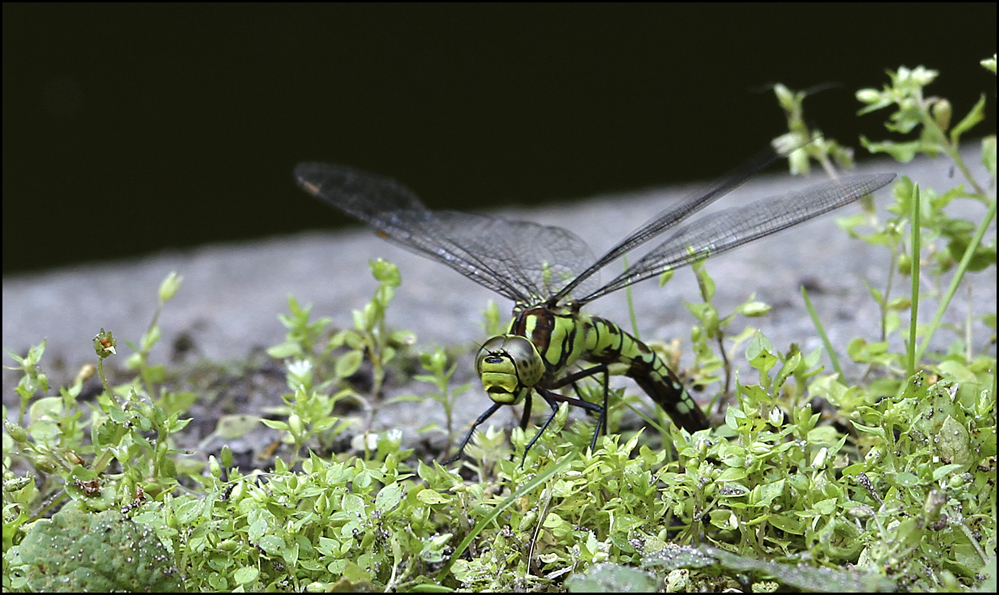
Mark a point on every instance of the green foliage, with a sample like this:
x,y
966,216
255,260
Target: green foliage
x,y
94,553
346,525
809,483
904,508
129,426
369,339
491,320
129,429
435,363
810,144
308,409
713,329
941,244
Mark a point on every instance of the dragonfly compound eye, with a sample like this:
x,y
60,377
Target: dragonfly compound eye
x,y
509,365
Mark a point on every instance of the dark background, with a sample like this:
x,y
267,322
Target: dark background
x,y
131,128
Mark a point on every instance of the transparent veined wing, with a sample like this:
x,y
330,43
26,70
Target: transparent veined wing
x,y
729,228
520,260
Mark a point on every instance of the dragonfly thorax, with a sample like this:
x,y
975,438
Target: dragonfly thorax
x,y
509,365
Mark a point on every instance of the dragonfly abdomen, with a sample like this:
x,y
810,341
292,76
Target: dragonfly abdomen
x,y
607,343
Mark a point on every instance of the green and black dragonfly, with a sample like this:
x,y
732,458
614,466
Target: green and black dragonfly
x,y
549,273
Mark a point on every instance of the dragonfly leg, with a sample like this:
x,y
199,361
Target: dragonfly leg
x,y
554,398
571,379
492,409
552,401
526,417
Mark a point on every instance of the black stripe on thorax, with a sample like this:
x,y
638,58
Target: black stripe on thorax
x,y
538,324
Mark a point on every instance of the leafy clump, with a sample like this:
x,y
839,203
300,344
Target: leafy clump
x,y
78,551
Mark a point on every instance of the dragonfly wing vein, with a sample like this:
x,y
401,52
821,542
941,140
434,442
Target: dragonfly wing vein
x,y
521,260
733,227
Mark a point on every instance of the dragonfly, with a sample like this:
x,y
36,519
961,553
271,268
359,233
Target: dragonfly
x,y
550,273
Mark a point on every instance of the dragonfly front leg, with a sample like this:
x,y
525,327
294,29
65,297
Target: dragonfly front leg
x,y
482,418
549,398
572,378
553,399
525,418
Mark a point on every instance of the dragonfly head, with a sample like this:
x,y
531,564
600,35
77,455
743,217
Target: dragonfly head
x,y
509,366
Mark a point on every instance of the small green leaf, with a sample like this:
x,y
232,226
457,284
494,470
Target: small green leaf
x,y
975,115
989,153
786,523
348,363
272,544
230,427
389,497
759,352
275,424
754,309
245,575
432,497
385,272
902,152
285,350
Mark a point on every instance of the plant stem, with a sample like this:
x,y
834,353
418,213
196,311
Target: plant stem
x,y
915,260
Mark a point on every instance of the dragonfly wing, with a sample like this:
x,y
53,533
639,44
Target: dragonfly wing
x,y
539,259
675,214
521,260
729,228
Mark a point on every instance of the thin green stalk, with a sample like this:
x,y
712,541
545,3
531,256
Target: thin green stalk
x,y
961,268
105,383
914,301
950,147
822,333
885,298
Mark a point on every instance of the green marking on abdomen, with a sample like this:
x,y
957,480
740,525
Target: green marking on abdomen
x,y
607,343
